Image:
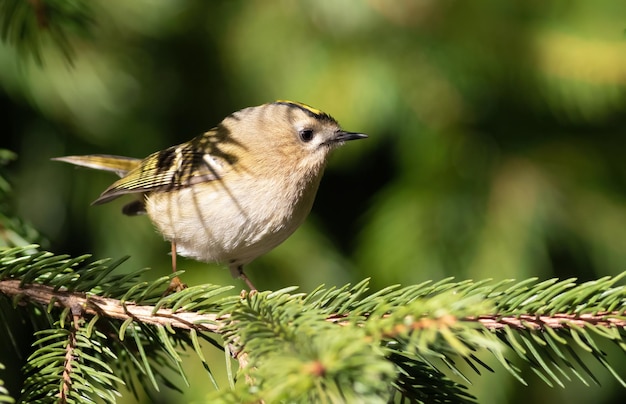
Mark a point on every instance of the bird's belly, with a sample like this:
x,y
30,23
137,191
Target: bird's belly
x,y
226,225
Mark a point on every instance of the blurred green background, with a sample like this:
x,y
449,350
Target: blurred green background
x,y
497,141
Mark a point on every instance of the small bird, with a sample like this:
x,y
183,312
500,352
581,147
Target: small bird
x,y
235,192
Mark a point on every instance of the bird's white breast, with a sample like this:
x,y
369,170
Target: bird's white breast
x,y
235,220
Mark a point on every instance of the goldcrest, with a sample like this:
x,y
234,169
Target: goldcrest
x,y
234,192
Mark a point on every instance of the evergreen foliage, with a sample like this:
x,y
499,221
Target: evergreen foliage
x,y
31,25
4,393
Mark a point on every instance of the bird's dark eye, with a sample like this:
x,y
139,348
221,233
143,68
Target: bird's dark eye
x,y
306,135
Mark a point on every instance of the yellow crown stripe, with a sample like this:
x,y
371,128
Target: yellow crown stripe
x,y
309,108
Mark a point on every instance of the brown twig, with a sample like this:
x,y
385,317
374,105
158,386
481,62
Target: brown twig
x,y
554,321
69,356
112,308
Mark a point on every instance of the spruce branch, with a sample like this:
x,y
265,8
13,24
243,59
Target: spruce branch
x,y
343,343
93,305
212,322
69,358
554,321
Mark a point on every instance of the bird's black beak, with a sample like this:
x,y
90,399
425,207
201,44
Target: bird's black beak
x,y
343,136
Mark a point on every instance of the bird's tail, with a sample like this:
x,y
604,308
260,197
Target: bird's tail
x,y
117,164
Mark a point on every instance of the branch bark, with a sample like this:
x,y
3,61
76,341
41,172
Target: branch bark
x,y
112,308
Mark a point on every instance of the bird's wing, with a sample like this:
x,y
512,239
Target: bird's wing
x,y
173,168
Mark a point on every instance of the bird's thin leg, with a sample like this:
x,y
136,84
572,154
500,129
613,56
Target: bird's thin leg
x,y
173,256
175,284
242,276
